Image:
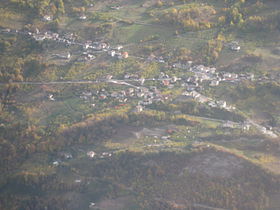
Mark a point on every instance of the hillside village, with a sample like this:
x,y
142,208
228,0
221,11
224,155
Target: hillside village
x,y
139,104
202,76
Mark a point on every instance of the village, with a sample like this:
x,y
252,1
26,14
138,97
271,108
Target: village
x,y
139,104
143,92
137,91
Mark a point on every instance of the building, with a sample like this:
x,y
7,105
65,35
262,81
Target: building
x,y
102,96
112,53
51,97
214,83
229,124
91,154
195,94
125,55
39,37
212,104
47,18
139,108
175,79
234,46
86,46
222,104
63,56
83,17
129,91
202,99
115,7
246,126
118,47
108,77
212,70
166,82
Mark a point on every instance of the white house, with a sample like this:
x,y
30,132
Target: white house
x,y
91,154
47,18
83,17
214,83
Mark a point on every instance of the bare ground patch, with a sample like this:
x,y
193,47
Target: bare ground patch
x,y
115,204
242,64
214,165
273,166
126,132
274,201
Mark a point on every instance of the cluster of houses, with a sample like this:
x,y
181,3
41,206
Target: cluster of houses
x,y
145,96
153,58
207,100
221,104
115,7
82,17
87,56
66,156
182,65
88,48
196,95
51,97
92,155
48,35
233,125
201,75
193,85
49,18
234,46
65,55
117,54
192,93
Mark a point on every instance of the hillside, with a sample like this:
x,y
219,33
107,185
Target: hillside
x,y
139,104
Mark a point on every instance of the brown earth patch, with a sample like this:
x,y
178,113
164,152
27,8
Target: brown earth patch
x,y
215,164
115,204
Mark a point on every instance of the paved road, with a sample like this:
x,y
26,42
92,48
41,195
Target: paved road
x,y
121,82
261,128
201,206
